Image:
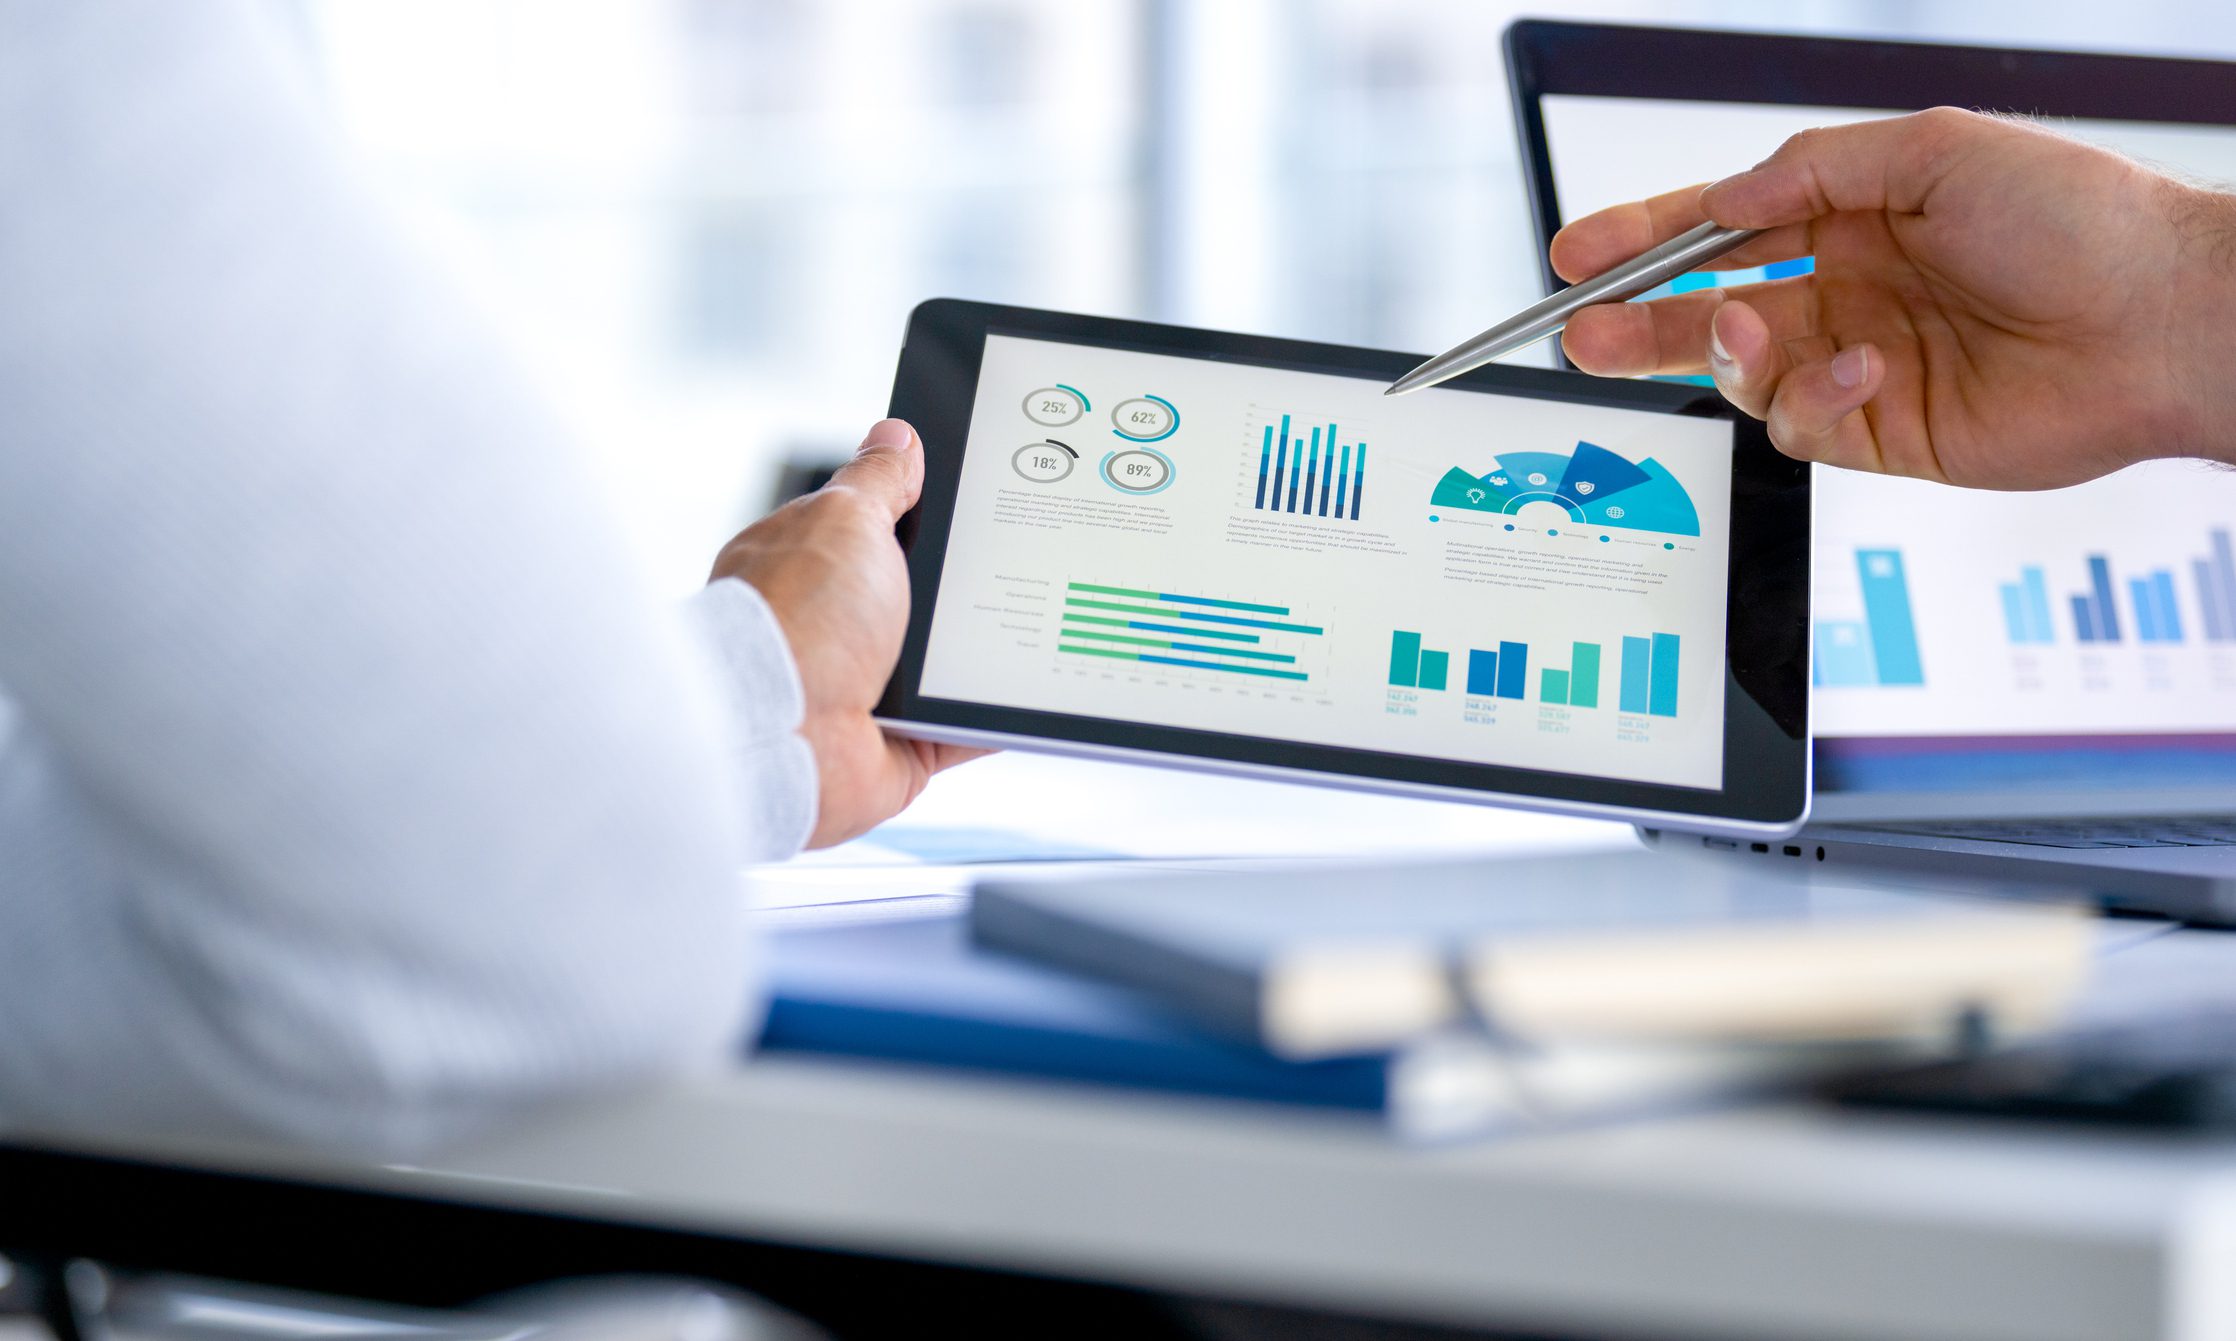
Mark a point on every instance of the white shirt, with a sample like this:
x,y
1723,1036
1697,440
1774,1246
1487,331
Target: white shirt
x,y
352,785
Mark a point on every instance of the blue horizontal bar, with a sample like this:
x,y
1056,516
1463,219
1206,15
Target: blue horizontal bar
x,y
1239,670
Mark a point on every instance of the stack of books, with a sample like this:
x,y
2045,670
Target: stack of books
x,y
1442,1000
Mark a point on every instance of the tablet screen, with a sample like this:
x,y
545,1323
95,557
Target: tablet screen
x,y
1463,575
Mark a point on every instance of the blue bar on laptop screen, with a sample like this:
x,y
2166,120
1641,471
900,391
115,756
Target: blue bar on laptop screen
x,y
2169,614
2224,568
1482,672
2208,601
1661,694
1513,669
2014,613
1844,653
1637,662
2037,604
2084,619
2145,601
1886,608
2107,619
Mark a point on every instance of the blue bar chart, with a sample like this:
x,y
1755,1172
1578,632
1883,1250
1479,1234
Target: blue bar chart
x,y
1310,472
1503,672
1163,628
2095,620
2215,573
2153,614
2026,609
1882,647
1648,683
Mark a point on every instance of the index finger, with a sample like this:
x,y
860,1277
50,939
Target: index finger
x,y
1614,235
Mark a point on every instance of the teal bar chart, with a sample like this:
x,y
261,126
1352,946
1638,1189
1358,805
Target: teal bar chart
x,y
1413,666
1648,682
1310,472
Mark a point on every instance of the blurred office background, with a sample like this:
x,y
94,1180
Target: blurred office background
x,y
704,221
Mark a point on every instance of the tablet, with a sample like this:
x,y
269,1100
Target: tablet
x,y
1525,587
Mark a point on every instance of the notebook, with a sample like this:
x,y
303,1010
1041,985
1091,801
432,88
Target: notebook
x,y
1634,947
918,993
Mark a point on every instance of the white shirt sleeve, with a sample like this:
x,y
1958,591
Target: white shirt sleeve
x,y
352,784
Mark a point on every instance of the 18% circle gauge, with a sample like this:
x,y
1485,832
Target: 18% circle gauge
x,y
1141,469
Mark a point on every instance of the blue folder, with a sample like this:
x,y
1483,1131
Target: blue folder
x,y
918,992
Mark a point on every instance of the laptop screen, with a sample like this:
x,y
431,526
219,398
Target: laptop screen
x,y
1966,638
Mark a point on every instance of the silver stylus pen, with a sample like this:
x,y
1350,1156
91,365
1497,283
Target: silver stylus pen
x,y
1686,252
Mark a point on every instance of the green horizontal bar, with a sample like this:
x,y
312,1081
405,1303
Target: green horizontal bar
x,y
1141,595
1134,592
1119,638
1192,633
1190,614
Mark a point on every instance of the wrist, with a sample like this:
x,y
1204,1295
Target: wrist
x,y
2201,326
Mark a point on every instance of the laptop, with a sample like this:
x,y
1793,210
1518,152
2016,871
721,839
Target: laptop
x,y
2038,686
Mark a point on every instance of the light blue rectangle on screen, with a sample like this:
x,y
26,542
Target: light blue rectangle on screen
x,y
2145,601
1637,661
1661,693
2169,614
1886,608
1843,653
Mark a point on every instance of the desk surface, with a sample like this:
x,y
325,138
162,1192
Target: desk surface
x,y
1770,1222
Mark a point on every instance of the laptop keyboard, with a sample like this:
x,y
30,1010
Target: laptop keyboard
x,y
2176,831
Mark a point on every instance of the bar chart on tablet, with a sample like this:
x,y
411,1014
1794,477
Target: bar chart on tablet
x,y
1307,467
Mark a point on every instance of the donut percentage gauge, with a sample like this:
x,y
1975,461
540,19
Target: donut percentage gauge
x,y
1139,470
1043,462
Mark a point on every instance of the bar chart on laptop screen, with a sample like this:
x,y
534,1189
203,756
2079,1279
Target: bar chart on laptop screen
x,y
2106,607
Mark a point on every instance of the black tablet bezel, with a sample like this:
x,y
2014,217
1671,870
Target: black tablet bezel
x,y
1766,757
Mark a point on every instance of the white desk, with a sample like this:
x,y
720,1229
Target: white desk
x,y
1783,1222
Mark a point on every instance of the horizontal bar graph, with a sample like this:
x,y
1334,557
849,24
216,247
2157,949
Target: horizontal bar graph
x,y
1882,647
1310,473
1211,633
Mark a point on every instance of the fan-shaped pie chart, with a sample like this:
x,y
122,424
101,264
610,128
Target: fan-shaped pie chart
x,y
1594,486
